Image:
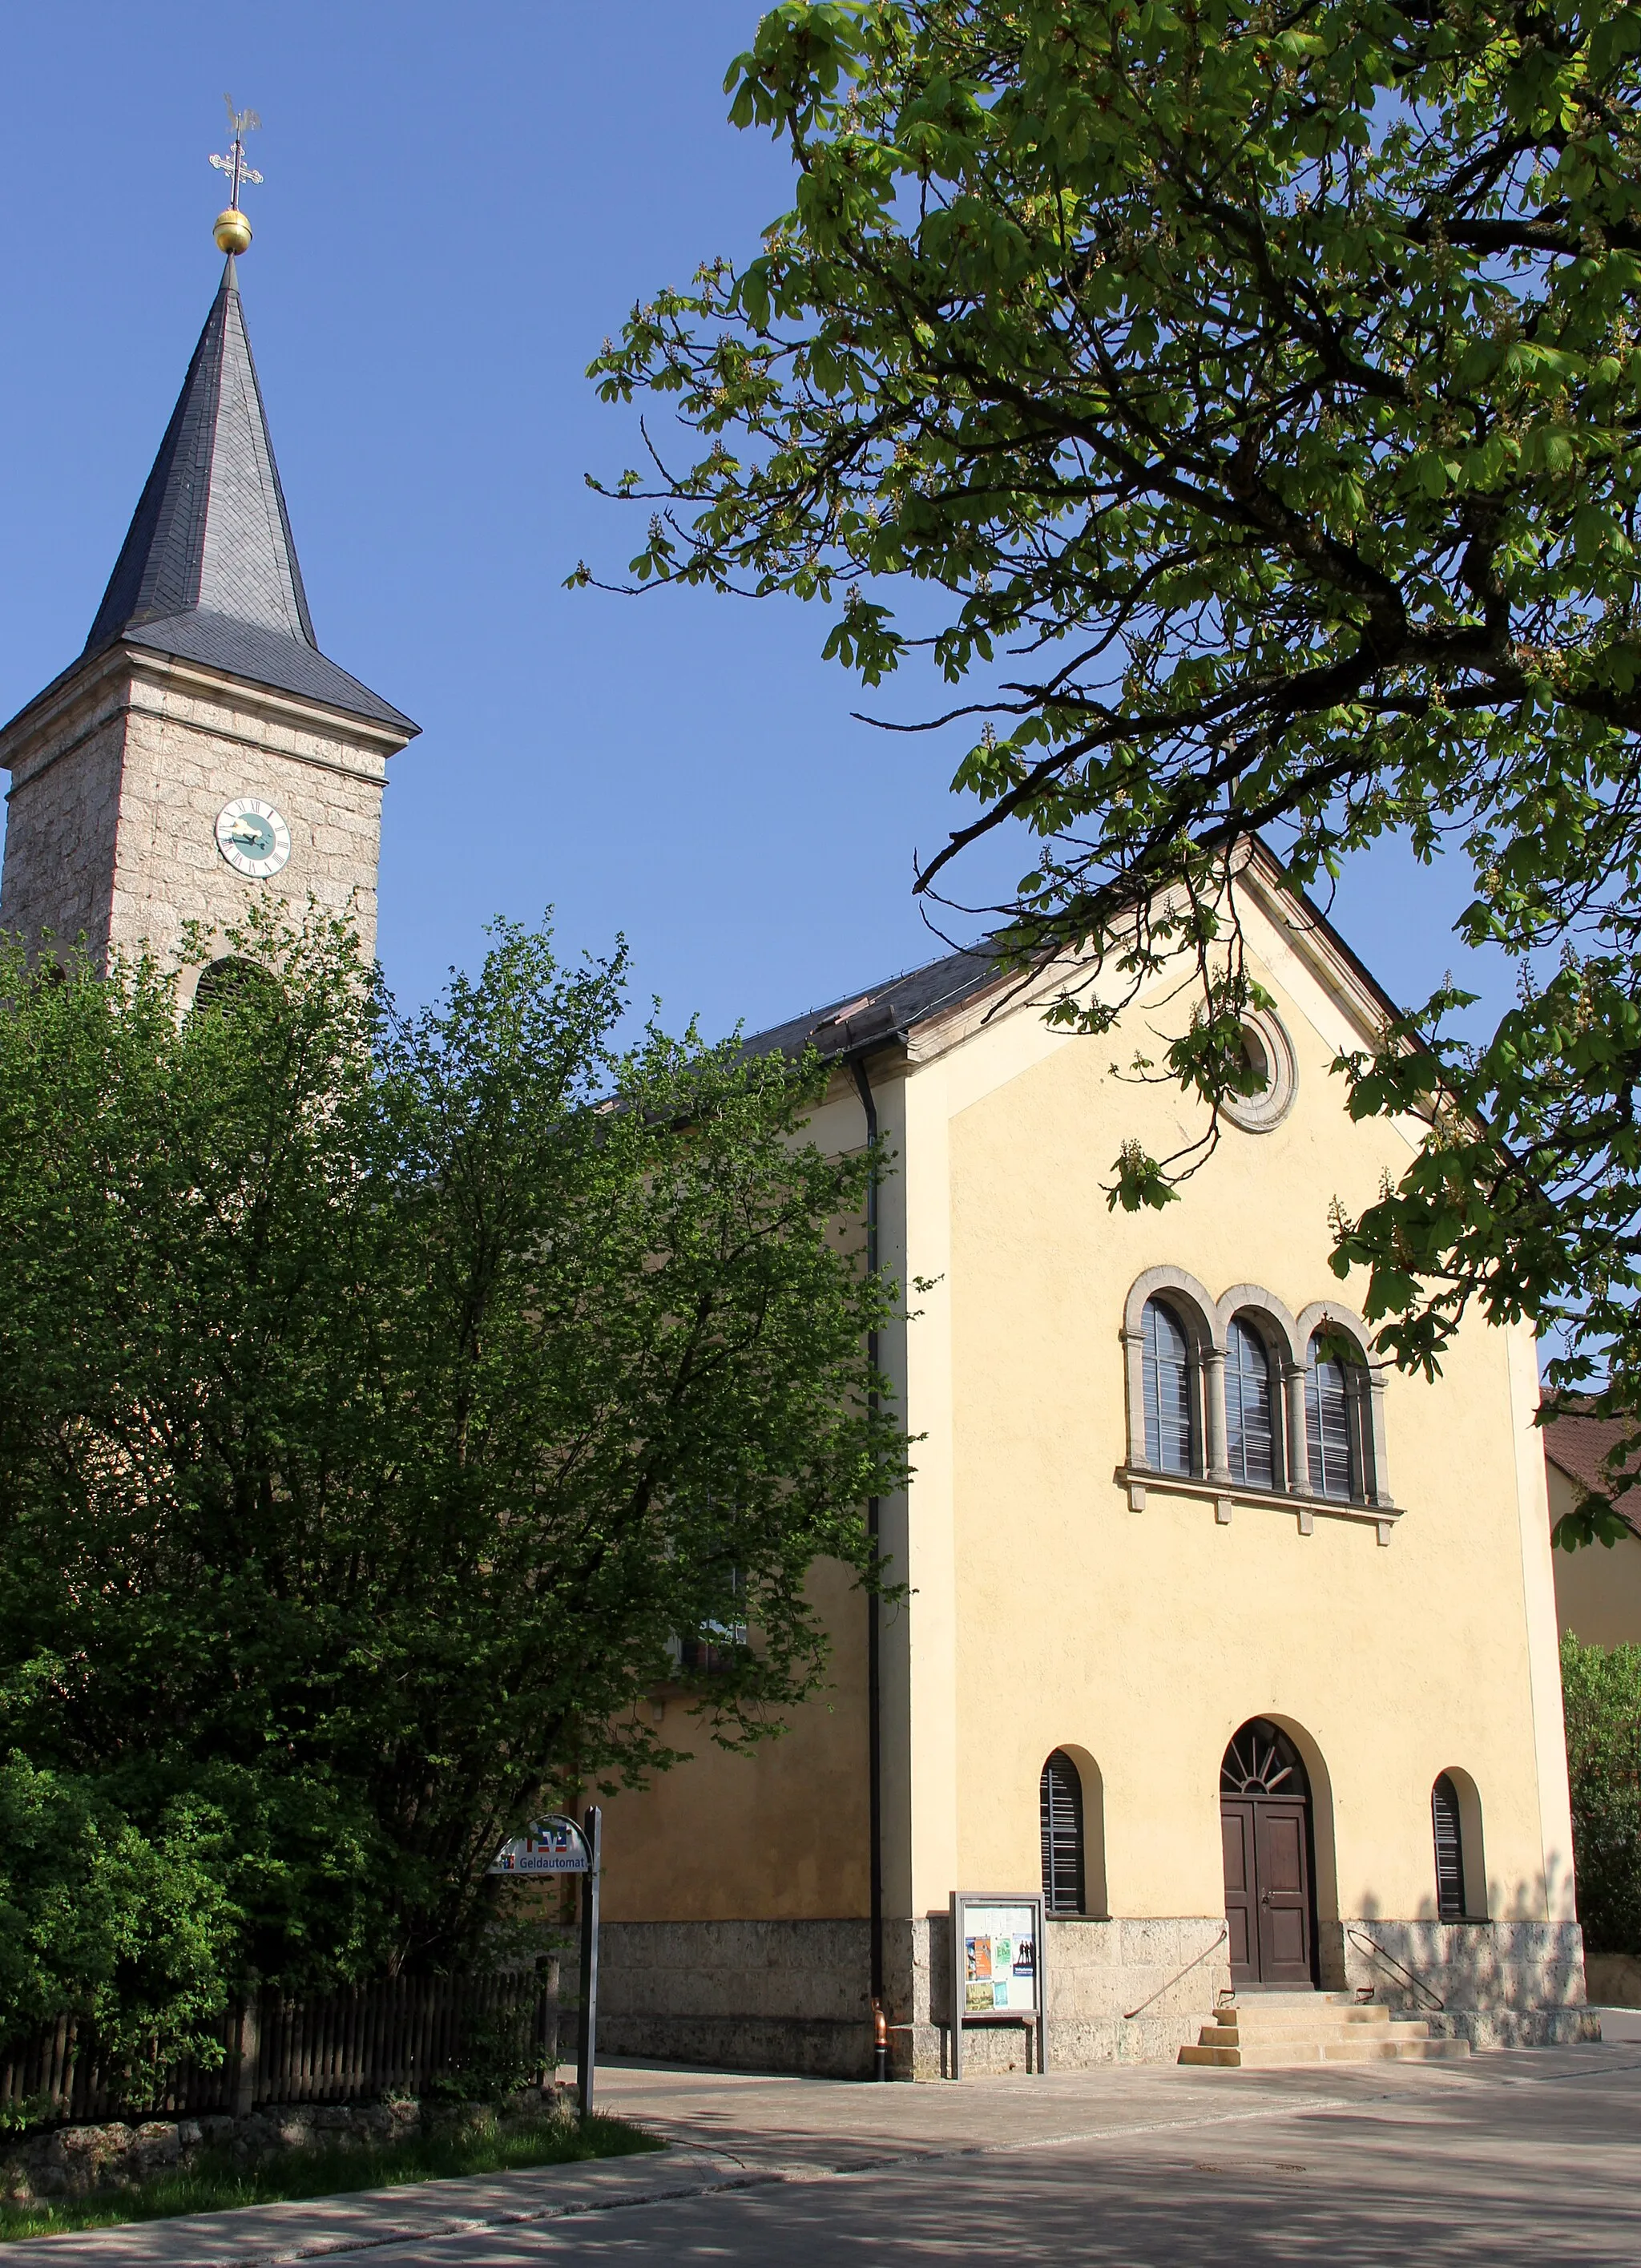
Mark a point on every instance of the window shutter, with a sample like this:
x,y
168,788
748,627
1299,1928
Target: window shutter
x,y
1060,1802
1170,1402
1333,1462
1449,1851
1249,1432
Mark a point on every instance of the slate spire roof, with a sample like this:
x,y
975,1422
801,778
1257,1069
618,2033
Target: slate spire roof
x,y
208,570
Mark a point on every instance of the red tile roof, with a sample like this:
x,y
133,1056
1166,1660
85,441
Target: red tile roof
x,y
1577,1445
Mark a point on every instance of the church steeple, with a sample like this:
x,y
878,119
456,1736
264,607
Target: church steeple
x,y
208,570
201,751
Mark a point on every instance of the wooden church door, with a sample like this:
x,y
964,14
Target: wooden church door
x,y
1265,1827
1236,1826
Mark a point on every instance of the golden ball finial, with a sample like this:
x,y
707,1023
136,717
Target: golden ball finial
x,y
232,231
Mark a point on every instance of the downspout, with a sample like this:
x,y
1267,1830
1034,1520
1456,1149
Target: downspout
x,y
874,1630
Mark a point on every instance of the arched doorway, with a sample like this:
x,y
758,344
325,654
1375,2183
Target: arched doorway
x,y
1265,1823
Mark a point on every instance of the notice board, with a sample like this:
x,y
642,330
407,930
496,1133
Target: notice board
x,y
998,1975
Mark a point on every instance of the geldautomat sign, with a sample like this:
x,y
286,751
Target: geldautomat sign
x,y
552,1847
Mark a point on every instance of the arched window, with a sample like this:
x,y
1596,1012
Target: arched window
x,y
1449,1835
1250,1437
1170,1401
1060,1809
1262,1760
232,983
1333,1392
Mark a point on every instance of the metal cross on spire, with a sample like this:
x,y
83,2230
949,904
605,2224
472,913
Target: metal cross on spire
x,y
243,123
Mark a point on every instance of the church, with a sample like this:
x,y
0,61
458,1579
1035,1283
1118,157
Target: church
x,y
1234,1646
1222,1658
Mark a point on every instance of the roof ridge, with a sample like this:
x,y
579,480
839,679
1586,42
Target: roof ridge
x,y
824,1010
794,1033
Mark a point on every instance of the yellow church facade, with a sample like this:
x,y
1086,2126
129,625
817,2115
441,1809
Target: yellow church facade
x,y
1238,1647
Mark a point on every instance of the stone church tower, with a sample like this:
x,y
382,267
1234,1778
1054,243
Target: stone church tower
x,y
201,749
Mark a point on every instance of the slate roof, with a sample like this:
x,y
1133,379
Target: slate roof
x,y
208,570
885,1012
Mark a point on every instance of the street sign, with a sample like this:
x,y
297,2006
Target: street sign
x,y
554,1845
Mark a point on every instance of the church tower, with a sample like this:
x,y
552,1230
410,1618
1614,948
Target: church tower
x,y
201,749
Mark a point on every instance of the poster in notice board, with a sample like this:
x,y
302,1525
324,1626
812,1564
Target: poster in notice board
x,y
999,1959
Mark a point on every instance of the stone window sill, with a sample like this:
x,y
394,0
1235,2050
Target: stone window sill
x,y
1225,1496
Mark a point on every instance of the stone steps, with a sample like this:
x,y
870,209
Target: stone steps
x,y
1272,2029
1276,2023
1290,2054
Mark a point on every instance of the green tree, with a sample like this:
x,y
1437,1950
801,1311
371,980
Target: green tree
x,y
135,1930
1250,391
1601,1693
382,1400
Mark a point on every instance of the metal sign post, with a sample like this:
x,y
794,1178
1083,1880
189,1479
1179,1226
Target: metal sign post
x,y
593,1829
998,1971
556,1845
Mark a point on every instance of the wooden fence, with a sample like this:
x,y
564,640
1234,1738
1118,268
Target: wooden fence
x,y
398,2037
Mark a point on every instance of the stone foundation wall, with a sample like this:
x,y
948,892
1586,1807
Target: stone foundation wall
x,y
82,2161
1119,1991
746,1995
792,1995
1501,1984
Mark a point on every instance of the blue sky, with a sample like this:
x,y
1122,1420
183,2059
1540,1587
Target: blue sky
x,y
459,203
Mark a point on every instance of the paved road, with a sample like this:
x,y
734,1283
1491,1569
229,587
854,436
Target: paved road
x,y
1530,2157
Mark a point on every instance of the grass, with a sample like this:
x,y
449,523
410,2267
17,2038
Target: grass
x,y
214,2183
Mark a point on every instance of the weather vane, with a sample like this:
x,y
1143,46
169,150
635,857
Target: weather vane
x,y
232,231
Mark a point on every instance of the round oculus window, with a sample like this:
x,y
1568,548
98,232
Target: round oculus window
x,y
1268,1053
253,837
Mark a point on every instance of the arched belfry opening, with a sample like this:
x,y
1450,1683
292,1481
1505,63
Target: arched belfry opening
x,y
231,983
1267,1832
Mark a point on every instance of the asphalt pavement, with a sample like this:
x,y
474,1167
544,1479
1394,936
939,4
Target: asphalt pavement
x,y
1530,2156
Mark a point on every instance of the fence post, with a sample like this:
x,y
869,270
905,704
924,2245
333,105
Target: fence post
x,y
249,2043
587,2055
547,2022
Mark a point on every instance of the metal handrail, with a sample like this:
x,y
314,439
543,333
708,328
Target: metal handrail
x,y
1360,1937
1129,2014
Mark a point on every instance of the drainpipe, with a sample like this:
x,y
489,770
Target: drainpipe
x,y
874,1637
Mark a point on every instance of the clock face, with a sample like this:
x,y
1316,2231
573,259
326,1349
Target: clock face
x,y
253,837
